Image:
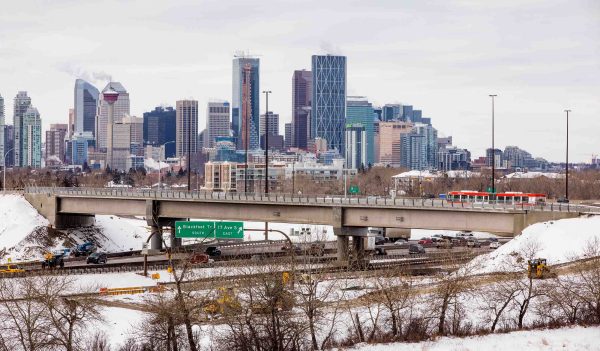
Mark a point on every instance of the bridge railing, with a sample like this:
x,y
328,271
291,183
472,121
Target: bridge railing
x,y
375,201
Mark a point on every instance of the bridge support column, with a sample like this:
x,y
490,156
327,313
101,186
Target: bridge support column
x,y
358,247
156,240
342,248
175,242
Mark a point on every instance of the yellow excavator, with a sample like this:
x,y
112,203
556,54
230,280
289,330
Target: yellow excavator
x,y
538,268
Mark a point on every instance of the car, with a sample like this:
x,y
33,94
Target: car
x,y
425,241
465,233
415,249
471,242
494,244
97,258
380,240
444,243
297,250
199,258
436,235
84,249
380,251
399,241
315,249
10,269
562,200
213,251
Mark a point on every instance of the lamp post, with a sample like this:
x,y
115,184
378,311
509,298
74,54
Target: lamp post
x,y
567,160
159,168
4,168
267,92
493,149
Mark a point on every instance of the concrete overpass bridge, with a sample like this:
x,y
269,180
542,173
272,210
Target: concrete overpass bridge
x,y
68,207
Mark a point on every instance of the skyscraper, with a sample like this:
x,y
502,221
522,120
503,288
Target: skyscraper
x,y
360,110
85,106
21,104
356,146
389,142
160,127
301,105
328,112
273,124
121,109
391,112
31,149
245,106
55,143
217,122
72,122
2,123
186,127
136,137
419,148
9,144
289,139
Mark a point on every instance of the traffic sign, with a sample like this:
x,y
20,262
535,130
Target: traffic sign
x,y
353,189
229,230
194,229
209,229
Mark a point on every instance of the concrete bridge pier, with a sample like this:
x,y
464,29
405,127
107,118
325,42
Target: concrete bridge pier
x,y
156,239
342,248
358,248
175,242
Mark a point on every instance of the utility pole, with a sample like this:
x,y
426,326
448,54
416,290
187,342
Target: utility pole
x,y
567,161
4,168
493,150
267,92
189,152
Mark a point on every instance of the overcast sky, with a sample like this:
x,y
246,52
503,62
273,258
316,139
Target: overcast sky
x,y
443,57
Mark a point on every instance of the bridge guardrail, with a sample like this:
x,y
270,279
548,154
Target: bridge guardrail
x,y
306,199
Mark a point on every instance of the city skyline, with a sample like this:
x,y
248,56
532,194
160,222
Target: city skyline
x,y
444,58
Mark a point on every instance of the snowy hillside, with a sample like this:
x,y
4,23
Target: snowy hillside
x,y
18,219
572,339
557,241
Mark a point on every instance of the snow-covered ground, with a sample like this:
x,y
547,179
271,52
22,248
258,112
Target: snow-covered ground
x,y
559,241
17,220
571,339
416,234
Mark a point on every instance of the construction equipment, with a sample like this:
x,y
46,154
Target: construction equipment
x,y
53,260
225,303
538,269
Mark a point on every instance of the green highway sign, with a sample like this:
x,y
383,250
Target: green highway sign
x,y
229,230
191,229
353,189
209,229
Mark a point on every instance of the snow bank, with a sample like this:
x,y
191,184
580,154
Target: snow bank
x,y
122,234
572,339
17,220
557,241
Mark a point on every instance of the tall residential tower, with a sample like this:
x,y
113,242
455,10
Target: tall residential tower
x,y
245,102
22,102
301,105
328,112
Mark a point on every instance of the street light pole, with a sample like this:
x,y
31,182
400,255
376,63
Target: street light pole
x,y
4,168
567,161
493,149
159,168
267,92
